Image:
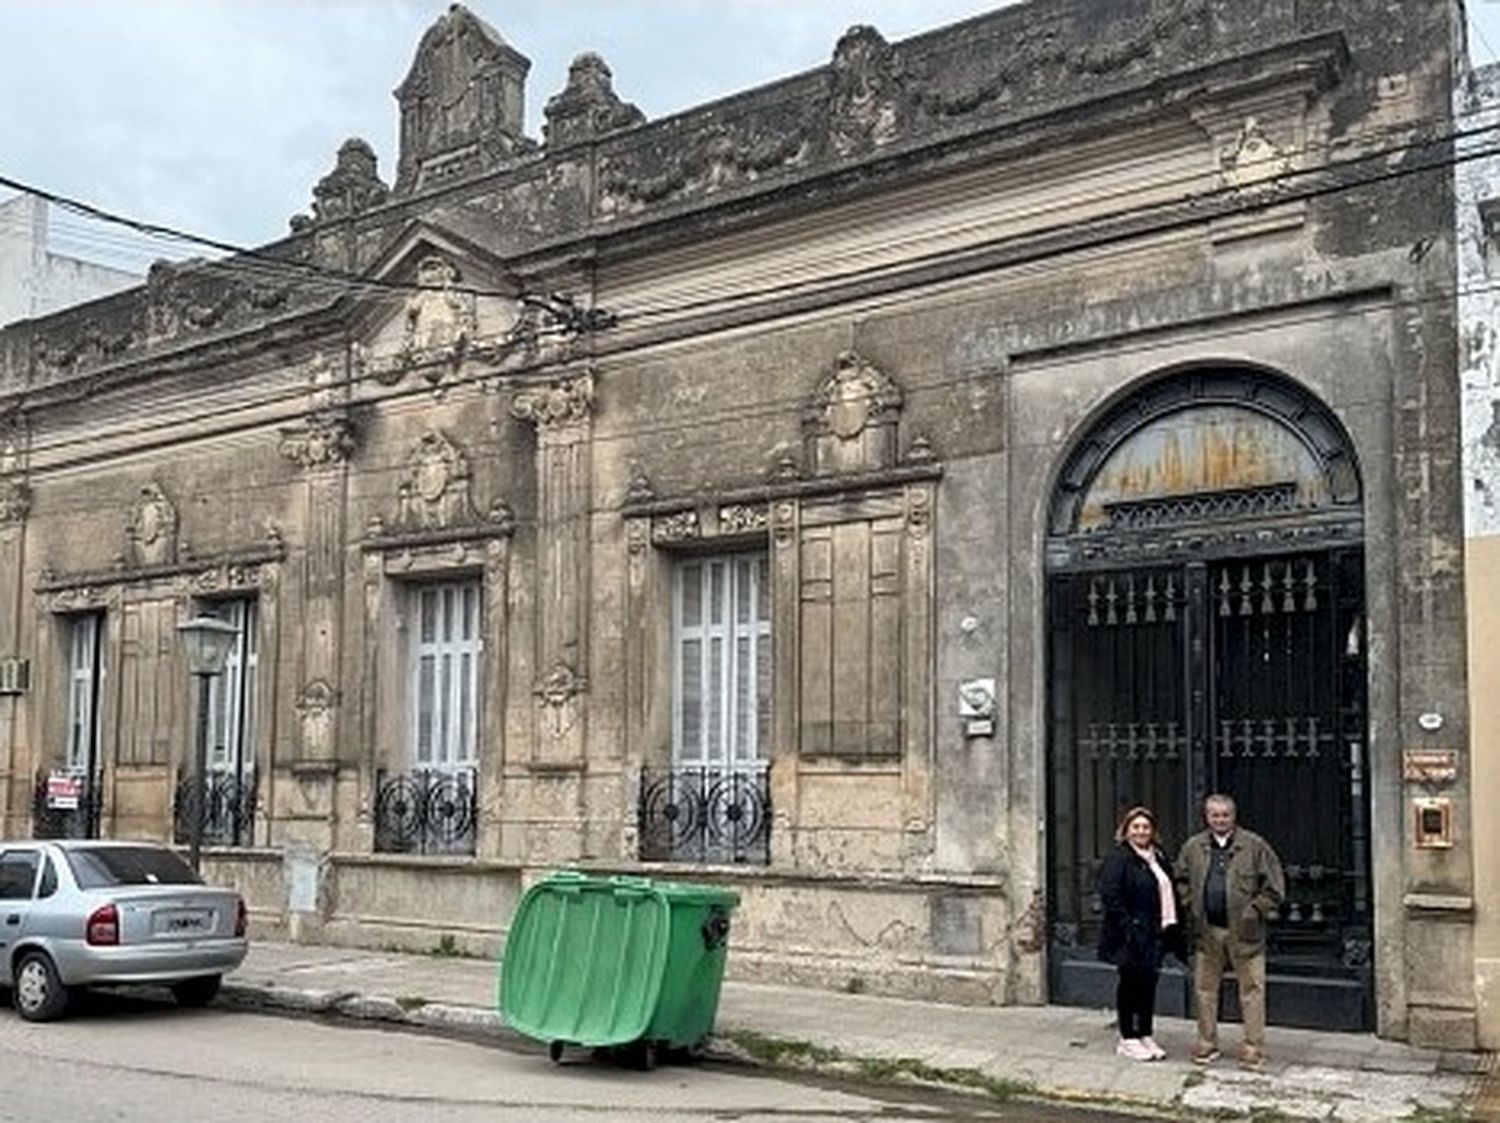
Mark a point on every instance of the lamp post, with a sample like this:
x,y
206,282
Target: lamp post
x,y
206,642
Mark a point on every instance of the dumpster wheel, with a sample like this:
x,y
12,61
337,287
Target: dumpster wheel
x,y
642,1054
555,1051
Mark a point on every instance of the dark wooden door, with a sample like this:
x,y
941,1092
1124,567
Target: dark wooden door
x,y
1240,675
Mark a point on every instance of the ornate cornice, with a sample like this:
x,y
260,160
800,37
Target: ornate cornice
x,y
236,568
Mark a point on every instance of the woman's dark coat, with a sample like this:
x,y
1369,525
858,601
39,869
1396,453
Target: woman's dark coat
x,y
1132,935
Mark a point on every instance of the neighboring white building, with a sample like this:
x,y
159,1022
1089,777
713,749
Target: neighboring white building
x,y
1477,191
35,281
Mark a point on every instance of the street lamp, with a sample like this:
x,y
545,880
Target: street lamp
x,y
206,641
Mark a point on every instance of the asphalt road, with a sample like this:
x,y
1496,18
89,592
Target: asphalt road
x,y
124,1059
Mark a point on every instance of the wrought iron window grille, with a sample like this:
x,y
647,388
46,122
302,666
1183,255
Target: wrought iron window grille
x,y
426,811
705,815
228,808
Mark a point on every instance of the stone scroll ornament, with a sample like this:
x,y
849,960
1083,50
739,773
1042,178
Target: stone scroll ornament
x,y
326,439
15,501
568,401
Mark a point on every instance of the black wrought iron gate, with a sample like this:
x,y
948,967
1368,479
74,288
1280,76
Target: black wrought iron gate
x,y
1244,675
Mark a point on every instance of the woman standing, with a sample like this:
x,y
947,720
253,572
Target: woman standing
x,y
1140,925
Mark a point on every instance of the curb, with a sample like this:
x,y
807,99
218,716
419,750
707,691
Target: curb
x,y
724,1047
743,1048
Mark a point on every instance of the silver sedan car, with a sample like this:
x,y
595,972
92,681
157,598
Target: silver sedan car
x,y
83,913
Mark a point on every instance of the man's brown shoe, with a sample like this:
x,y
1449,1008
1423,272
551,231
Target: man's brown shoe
x,y
1204,1054
1251,1058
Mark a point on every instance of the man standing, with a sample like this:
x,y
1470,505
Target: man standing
x,y
1231,881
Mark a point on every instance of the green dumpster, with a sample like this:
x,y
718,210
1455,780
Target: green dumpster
x,y
620,962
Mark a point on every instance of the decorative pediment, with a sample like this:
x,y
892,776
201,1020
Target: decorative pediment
x,y
151,531
440,300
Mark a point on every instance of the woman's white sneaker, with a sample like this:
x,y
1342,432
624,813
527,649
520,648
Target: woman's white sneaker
x,y
1156,1051
1134,1048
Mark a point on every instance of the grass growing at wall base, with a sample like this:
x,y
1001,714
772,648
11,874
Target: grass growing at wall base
x,y
788,1053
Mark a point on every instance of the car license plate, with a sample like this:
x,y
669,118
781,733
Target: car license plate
x,y
183,922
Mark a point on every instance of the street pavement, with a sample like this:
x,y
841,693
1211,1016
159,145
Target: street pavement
x,y
1048,1052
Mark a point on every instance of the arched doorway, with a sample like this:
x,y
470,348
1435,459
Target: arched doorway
x,y
1205,619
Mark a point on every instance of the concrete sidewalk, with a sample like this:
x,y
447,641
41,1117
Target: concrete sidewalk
x,y
1052,1052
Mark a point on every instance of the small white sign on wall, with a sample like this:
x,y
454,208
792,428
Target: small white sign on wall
x,y
976,706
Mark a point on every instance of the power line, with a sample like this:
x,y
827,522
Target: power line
x,y
359,283
299,395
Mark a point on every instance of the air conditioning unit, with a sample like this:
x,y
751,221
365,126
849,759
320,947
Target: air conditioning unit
x,y
15,674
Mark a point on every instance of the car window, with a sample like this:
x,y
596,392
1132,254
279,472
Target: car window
x,y
17,874
103,866
48,884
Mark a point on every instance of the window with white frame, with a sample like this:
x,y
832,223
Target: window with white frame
x,y
85,672
444,675
721,641
232,699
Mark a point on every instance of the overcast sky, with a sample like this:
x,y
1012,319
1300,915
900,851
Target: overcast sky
x,y
218,116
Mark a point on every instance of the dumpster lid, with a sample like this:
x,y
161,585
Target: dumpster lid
x,y
685,893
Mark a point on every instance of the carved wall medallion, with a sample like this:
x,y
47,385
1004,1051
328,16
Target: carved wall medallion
x,y
854,401
151,531
440,317
558,692
570,400
322,441
638,535
435,490
855,395
316,702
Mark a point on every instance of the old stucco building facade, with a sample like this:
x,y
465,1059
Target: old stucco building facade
x,y
852,491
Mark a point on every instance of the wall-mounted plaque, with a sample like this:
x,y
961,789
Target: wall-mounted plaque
x,y
1430,766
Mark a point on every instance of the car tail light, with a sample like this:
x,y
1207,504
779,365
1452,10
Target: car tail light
x,y
241,920
103,926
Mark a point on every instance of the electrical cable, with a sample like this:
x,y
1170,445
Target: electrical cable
x,y
299,395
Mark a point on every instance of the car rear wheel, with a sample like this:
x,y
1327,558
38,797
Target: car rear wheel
x,y
197,992
40,994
